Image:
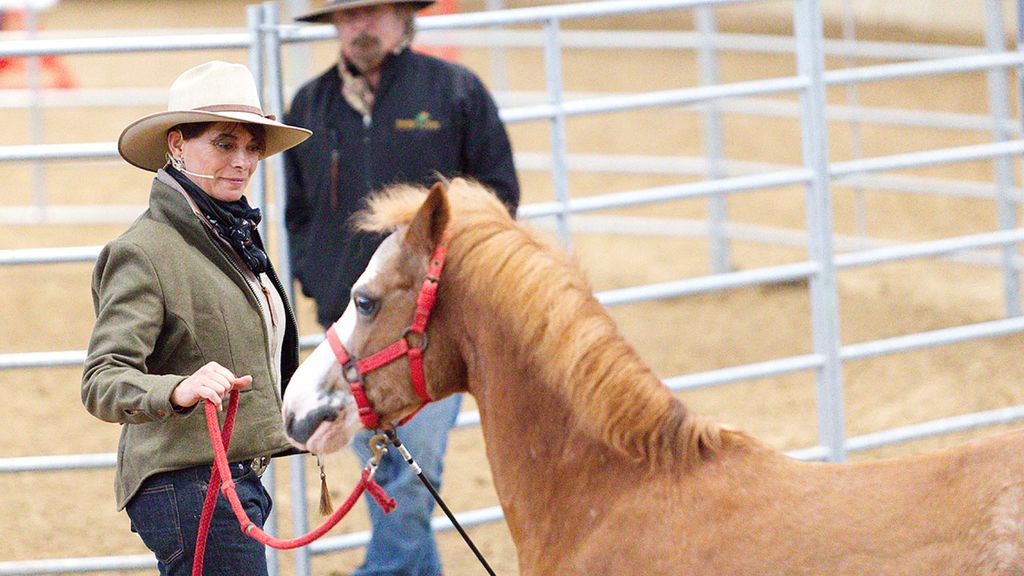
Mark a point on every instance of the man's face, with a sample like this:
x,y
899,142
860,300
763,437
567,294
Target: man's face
x,y
369,33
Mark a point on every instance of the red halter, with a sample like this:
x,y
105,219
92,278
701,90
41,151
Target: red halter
x,y
353,369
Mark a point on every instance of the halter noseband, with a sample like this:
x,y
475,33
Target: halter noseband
x,y
353,369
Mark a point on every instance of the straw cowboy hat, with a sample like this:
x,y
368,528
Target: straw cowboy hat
x,y
211,92
323,13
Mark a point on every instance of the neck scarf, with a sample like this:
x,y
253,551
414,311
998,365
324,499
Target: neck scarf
x,y
234,221
355,88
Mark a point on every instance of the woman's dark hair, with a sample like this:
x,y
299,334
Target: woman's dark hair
x,y
193,129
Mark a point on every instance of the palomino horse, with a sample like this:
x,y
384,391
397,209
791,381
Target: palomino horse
x,y
599,468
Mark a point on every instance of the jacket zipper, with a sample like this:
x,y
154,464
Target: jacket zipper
x,y
367,125
335,160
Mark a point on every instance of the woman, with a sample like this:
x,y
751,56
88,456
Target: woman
x,y
188,308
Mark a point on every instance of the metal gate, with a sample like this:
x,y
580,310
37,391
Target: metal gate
x,y
545,27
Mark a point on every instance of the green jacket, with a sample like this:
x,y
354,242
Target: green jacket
x,y
168,300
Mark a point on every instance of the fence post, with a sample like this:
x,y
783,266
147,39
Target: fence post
x,y
999,107
713,141
275,101
559,168
254,23
34,75
499,55
824,301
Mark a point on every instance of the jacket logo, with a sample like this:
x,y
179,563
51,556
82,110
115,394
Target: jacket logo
x,y
422,121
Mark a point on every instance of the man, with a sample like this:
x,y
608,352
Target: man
x,y
385,114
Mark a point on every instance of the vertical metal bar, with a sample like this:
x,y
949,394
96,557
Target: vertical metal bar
x,y
499,54
999,108
860,212
824,301
1020,69
256,17
275,102
299,56
713,142
254,21
559,168
35,84
258,192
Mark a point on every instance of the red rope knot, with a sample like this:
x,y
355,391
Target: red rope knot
x,y
386,503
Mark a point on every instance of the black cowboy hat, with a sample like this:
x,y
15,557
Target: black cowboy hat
x,y
323,13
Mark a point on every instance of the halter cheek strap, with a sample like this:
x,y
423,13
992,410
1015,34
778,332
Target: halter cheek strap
x,y
353,369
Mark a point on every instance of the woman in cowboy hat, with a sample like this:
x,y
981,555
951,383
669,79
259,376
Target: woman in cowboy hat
x,y
188,308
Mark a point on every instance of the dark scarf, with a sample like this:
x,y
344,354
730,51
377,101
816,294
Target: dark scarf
x,y
235,221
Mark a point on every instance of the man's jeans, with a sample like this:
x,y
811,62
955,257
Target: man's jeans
x,y
165,513
402,543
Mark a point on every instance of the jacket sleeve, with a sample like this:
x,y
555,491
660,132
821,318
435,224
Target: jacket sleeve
x,y
297,210
116,386
487,153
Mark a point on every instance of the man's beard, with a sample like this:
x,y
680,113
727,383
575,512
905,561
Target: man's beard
x,y
366,52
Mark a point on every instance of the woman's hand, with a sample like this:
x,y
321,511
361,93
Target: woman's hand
x,y
212,382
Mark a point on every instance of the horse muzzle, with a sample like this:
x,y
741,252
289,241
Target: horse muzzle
x,y
326,427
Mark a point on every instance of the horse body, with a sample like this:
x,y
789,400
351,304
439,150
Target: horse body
x,y
599,468
576,505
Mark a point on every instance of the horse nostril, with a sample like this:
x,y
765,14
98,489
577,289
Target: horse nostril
x,y
300,429
289,423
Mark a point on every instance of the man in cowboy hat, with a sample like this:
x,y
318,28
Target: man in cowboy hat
x,y
385,114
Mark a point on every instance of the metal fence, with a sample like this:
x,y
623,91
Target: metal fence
x,y
266,37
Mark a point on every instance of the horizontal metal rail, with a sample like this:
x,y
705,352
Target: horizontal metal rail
x,y
519,16
22,256
122,44
492,514
78,565
677,97
673,289
694,381
701,189
687,40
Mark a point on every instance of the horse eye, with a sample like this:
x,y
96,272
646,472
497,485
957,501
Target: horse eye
x,y
365,306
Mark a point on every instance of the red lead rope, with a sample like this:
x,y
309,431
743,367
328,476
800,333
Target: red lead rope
x,y
220,477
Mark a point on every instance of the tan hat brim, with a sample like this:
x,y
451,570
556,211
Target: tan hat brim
x,y
144,142
323,14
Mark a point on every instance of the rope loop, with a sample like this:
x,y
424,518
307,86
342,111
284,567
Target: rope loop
x,y
220,481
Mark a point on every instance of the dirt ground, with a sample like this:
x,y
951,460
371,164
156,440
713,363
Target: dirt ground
x,y
46,308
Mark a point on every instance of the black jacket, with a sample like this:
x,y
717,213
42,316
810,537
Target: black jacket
x,y
429,116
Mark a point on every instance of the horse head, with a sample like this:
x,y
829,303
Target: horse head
x,y
371,369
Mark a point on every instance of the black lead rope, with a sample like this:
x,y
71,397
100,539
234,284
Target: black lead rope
x,y
393,438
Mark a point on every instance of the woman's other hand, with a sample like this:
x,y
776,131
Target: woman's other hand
x,y
212,382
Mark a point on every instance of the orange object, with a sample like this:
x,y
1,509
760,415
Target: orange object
x,y
60,74
448,52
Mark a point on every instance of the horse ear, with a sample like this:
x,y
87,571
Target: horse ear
x,y
430,221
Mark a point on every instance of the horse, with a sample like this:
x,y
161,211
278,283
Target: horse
x,y
598,466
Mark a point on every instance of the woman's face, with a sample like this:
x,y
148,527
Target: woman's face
x,y
221,159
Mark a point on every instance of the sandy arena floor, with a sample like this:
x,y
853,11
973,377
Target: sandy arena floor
x,y
44,308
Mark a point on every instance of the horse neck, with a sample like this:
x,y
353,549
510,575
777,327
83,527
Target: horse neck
x,y
547,419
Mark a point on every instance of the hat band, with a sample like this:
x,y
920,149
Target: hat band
x,y
235,108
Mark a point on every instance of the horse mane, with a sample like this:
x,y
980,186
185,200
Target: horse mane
x,y
575,341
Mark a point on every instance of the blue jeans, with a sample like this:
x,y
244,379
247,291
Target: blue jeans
x,y
402,543
165,513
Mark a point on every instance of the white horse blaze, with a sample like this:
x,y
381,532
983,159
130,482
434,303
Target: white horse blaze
x,y
307,390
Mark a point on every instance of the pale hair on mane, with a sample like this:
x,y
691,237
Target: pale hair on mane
x,y
576,343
